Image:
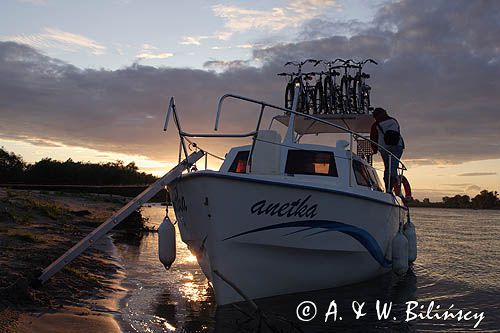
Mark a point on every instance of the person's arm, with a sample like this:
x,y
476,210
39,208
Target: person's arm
x,y
374,137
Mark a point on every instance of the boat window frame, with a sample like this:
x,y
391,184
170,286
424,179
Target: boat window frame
x,y
361,179
376,182
332,171
240,155
372,180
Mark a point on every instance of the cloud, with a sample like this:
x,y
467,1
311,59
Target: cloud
x,y
36,141
192,40
238,19
196,40
245,46
321,28
225,65
34,2
474,189
438,74
148,47
53,38
433,194
475,174
149,52
147,55
432,73
115,110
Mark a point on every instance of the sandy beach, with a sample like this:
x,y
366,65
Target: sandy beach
x,y
37,227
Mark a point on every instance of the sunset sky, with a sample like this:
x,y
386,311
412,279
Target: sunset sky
x,y
90,80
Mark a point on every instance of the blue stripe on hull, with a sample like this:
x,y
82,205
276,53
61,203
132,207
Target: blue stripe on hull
x,y
361,235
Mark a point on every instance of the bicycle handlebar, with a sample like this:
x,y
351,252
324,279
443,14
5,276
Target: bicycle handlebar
x,y
288,74
316,62
370,60
300,64
293,63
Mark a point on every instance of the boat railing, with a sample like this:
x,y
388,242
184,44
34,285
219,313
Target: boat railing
x,y
352,135
172,113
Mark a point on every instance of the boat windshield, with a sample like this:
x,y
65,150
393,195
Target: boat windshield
x,y
311,162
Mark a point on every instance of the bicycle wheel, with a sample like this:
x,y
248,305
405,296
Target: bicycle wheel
x,y
302,98
355,89
337,99
344,88
328,96
311,100
353,108
366,99
289,92
319,98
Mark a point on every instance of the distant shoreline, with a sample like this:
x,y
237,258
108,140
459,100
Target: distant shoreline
x,y
439,205
130,191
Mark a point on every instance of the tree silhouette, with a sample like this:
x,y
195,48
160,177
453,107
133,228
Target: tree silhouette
x,y
486,200
12,167
51,172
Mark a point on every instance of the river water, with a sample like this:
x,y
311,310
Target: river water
x,y
458,266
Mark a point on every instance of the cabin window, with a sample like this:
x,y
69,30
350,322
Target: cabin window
x,y
375,180
310,162
239,164
362,175
366,176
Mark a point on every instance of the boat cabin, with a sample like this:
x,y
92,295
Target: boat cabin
x,y
314,164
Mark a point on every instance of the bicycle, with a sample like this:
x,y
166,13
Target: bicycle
x,y
361,93
347,87
321,104
290,89
306,99
332,92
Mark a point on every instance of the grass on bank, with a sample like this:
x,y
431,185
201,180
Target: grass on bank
x,y
24,236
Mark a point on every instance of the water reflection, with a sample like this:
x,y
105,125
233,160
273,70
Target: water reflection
x,y
159,300
457,264
278,314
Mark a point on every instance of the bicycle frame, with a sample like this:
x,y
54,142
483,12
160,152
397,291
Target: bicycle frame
x,y
362,89
332,90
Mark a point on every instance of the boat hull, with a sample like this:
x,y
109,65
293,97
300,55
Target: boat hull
x,y
271,238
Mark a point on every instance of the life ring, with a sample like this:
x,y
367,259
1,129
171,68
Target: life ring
x,y
406,188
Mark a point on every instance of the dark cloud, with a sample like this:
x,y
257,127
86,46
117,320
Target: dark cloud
x,y
438,74
121,110
474,174
225,65
473,188
320,28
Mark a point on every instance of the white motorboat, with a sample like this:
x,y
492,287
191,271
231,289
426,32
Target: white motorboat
x,y
281,217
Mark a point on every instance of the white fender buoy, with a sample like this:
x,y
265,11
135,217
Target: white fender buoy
x,y
399,253
411,235
166,243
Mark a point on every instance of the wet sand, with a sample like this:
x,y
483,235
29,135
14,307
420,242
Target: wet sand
x,y
35,229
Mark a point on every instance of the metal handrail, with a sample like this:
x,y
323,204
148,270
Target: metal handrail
x,y
172,110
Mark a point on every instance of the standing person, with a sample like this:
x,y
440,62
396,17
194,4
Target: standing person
x,y
387,133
